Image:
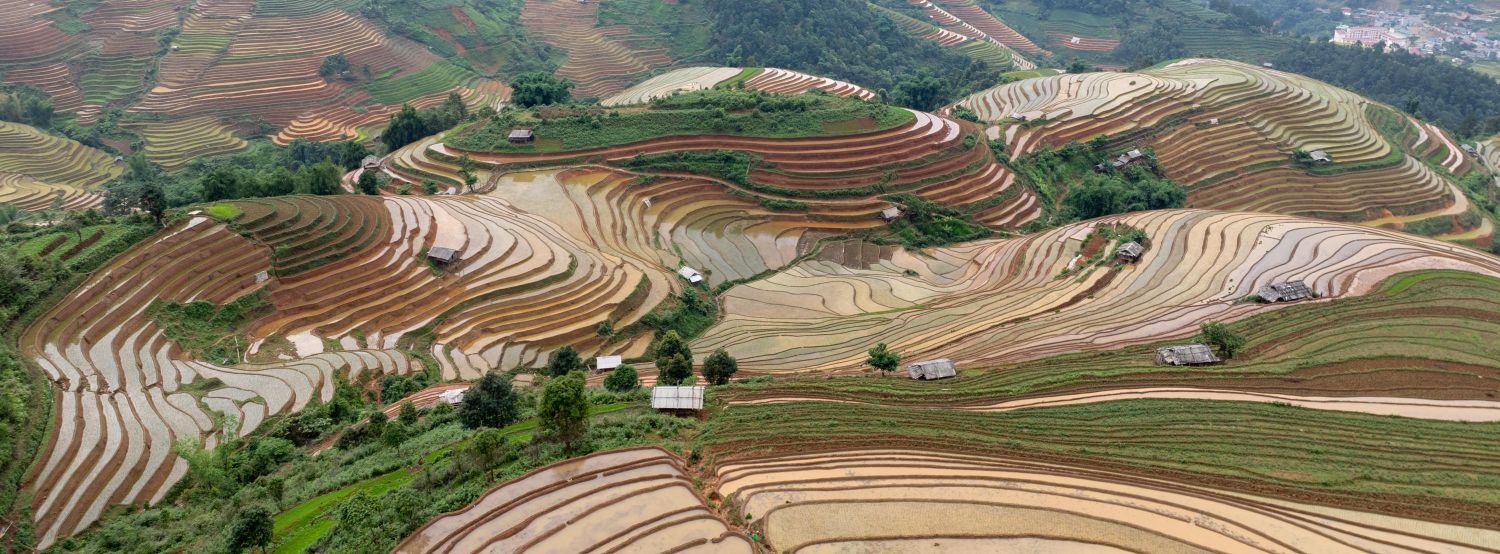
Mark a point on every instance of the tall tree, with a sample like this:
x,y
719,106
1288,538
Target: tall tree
x,y
368,184
1224,340
154,201
563,361
222,183
563,411
622,379
719,367
674,359
405,128
537,88
252,528
883,359
490,402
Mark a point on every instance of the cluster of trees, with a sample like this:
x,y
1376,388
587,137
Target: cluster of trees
x,y
537,88
410,124
1132,190
23,104
925,223
674,362
1459,99
844,39
337,65
1221,338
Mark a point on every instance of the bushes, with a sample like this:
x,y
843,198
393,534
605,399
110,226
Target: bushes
x,y
924,223
674,359
1101,195
719,367
210,332
622,379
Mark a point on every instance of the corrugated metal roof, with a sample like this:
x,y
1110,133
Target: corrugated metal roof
x,y
1187,354
677,398
443,254
932,369
1286,292
690,274
608,362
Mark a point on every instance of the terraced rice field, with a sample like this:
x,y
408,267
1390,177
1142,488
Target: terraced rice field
x,y
52,161
602,61
999,301
229,64
174,144
1228,130
968,20
1414,347
836,175
31,195
632,500
988,51
915,499
781,81
123,393
496,308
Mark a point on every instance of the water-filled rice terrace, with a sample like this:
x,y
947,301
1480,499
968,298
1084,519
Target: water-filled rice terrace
x,y
1229,131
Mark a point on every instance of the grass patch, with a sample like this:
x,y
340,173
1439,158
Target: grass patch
x,y
210,332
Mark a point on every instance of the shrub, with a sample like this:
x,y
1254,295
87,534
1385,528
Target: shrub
x,y
1223,339
622,379
718,367
489,403
563,361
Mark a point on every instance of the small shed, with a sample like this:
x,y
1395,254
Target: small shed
x,y
370,163
442,255
452,396
521,136
608,363
932,369
1290,291
1469,149
1130,252
690,274
260,277
677,398
1187,354
1320,156
890,214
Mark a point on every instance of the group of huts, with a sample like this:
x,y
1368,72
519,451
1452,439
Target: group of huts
x,y
1201,354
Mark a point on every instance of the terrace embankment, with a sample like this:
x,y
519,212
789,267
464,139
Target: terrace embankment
x,y
1000,301
631,500
1231,133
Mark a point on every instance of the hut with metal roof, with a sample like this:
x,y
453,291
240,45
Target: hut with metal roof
x,y
1186,354
608,363
677,398
521,136
442,255
690,274
1130,252
1290,291
932,369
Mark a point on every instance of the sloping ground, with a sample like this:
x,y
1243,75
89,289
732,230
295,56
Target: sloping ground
x,y
977,24
633,500
1415,347
686,79
840,177
53,160
123,396
32,195
792,82
83,62
229,64
358,264
988,51
866,498
1228,131
1075,42
999,301
174,144
601,61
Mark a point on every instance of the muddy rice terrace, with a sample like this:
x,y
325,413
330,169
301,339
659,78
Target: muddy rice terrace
x,y
1086,407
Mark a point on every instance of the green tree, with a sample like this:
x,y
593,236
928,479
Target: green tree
x,y
408,414
405,128
153,201
466,167
222,183
883,359
252,528
1223,339
622,379
488,449
321,179
921,91
674,359
563,411
368,184
335,65
718,367
563,361
537,88
490,402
